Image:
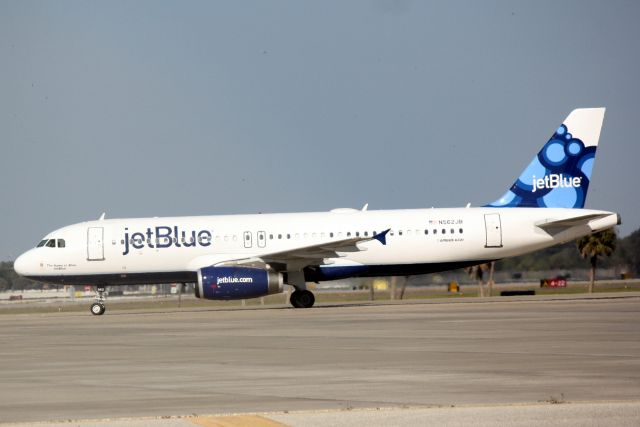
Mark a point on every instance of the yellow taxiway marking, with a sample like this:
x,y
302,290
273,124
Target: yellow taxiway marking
x,y
236,421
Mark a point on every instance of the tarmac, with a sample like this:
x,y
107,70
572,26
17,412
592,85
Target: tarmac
x,y
496,361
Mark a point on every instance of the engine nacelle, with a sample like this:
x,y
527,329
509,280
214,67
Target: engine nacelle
x,y
237,283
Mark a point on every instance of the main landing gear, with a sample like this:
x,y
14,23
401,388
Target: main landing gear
x,y
302,298
98,308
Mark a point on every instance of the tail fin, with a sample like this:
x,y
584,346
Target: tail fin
x,y
559,176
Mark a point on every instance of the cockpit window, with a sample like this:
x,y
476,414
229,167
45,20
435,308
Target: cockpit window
x,y
51,243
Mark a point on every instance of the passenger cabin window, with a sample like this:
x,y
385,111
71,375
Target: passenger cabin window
x,y
61,243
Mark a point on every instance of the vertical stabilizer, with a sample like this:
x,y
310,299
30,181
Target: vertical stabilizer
x,y
559,176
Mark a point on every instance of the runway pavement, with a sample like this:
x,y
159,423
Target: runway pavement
x,y
415,355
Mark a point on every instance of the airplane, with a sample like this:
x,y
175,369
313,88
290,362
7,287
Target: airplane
x,y
248,256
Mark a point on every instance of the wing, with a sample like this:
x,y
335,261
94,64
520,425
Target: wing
x,y
312,255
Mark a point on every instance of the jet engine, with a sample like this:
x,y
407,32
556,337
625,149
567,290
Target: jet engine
x,y
226,283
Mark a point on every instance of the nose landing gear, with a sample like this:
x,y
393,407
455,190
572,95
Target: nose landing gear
x,y
98,308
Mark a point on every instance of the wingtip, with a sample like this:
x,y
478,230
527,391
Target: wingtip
x,y
382,237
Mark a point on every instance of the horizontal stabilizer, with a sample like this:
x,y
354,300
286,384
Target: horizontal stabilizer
x,y
556,226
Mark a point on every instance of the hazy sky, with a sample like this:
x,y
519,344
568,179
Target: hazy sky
x,y
156,108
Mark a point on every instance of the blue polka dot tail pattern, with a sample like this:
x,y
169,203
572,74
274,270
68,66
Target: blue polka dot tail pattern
x,y
558,177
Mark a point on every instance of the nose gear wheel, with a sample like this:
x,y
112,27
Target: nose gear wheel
x,y
98,308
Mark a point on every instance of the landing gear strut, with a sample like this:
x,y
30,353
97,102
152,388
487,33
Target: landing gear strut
x,y
98,308
302,298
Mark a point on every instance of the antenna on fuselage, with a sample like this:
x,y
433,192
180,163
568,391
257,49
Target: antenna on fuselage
x,y
365,207
102,216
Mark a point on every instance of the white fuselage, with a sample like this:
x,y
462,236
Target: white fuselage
x,y
173,249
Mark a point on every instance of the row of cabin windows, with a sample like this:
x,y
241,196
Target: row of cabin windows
x,y
52,243
60,243
261,236
365,233
174,239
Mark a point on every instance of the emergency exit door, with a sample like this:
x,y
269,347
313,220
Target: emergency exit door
x,y
248,239
262,239
95,244
493,230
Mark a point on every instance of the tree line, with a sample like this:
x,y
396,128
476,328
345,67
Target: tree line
x,y
10,280
625,257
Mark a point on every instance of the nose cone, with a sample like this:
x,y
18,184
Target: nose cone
x,y
22,265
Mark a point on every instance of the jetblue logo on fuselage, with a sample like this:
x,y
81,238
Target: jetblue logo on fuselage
x,y
165,237
555,180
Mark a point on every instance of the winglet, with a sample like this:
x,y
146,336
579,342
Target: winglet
x,y
382,237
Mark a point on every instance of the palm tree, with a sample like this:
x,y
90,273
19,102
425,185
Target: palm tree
x,y
492,269
596,245
477,272
404,286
